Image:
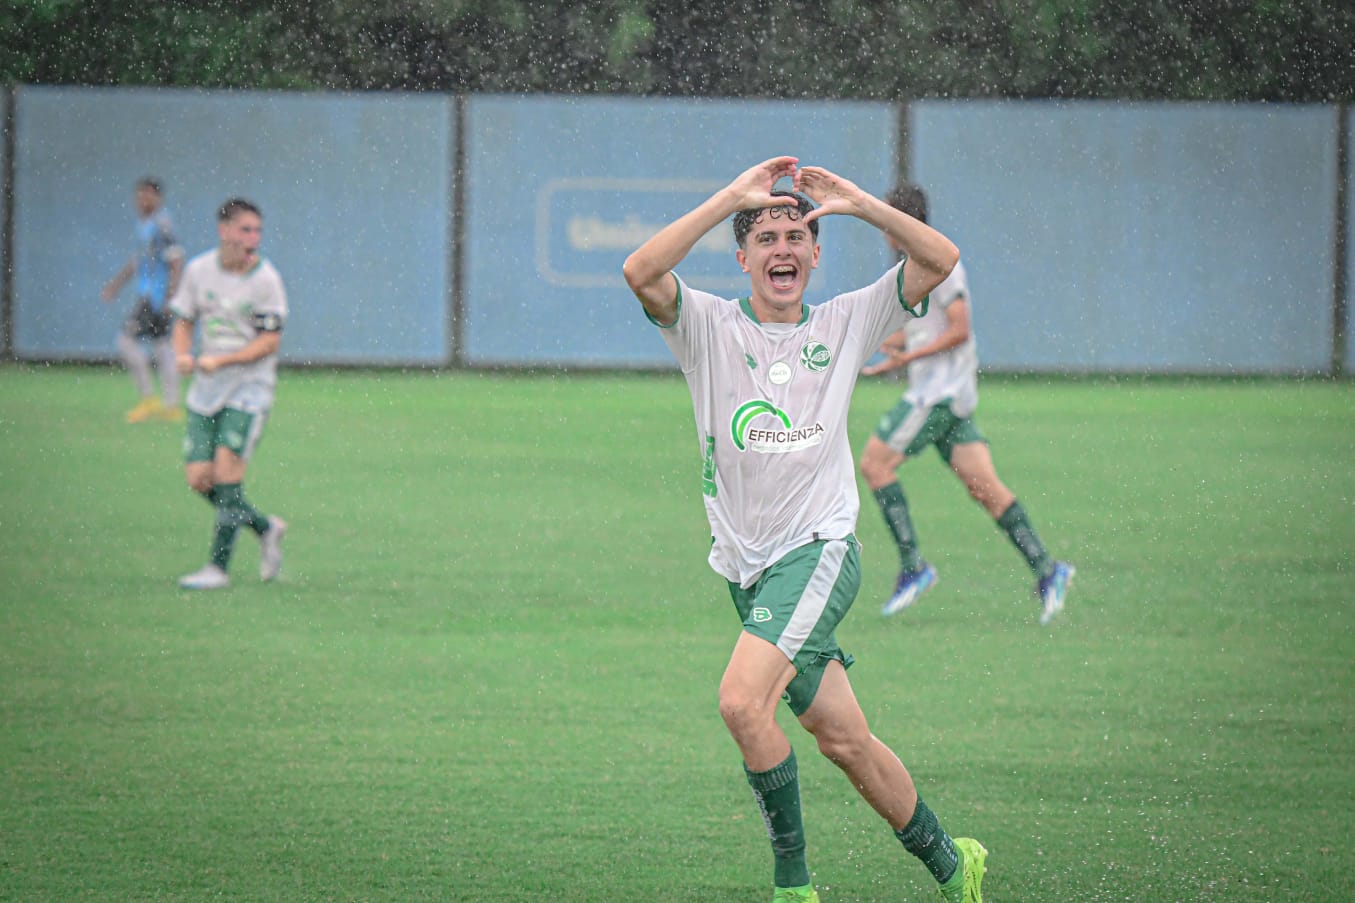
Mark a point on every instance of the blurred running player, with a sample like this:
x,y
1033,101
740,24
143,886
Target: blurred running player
x,y
938,410
239,300
156,265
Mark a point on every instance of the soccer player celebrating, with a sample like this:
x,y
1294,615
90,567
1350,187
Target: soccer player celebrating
x,y
241,302
771,381
938,408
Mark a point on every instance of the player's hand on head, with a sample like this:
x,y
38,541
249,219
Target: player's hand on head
x,y
754,186
831,192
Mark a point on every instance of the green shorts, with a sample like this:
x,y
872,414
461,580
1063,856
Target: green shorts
x,y
234,429
908,430
797,604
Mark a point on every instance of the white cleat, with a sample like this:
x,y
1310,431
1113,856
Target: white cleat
x,y
209,577
270,548
1052,590
910,585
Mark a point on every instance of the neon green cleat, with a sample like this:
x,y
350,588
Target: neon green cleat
x,y
968,889
805,894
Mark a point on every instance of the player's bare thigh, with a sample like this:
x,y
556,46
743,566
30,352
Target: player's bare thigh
x,y
225,467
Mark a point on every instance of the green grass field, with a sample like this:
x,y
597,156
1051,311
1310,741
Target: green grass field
x,y
489,670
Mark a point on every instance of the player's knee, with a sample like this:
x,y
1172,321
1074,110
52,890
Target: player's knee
x,y
844,749
740,711
200,482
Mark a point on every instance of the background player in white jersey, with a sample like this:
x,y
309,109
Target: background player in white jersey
x,y
239,299
771,381
937,409
156,265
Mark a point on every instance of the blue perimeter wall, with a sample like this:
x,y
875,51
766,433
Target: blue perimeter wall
x,y
1099,236
355,190
1123,236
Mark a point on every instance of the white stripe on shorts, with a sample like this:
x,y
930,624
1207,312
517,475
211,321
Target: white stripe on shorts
x,y
814,599
908,428
256,425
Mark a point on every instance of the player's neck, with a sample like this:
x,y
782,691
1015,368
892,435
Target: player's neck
x,y
779,312
235,263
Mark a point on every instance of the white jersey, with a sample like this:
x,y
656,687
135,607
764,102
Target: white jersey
x,y
953,374
771,403
232,308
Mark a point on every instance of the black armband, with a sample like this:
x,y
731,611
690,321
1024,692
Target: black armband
x,y
268,322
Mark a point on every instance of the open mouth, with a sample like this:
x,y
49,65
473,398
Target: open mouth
x,y
782,275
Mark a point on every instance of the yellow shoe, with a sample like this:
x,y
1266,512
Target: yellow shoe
x,y
145,409
168,414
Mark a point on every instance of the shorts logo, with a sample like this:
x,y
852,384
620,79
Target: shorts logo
x,y
761,615
815,356
770,441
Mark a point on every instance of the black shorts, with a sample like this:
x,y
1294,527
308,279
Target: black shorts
x,y
147,322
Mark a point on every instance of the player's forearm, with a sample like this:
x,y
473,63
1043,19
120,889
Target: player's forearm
x,y
120,278
259,348
931,255
182,340
952,337
927,249
182,337
668,247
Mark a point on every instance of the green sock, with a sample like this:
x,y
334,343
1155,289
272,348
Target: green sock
x,y
232,495
232,512
223,539
1018,529
924,837
894,505
777,792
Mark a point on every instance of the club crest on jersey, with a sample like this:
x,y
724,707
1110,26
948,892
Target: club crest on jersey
x,y
752,429
815,356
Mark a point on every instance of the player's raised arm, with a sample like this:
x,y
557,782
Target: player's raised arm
x,y
648,270
931,256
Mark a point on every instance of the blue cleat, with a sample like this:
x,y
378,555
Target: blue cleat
x,y
1053,589
911,585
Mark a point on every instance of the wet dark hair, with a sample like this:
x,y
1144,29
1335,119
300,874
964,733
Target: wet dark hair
x,y
909,198
234,207
745,219
150,182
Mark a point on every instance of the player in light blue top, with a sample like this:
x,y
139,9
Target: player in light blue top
x,y
155,265
771,380
937,410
